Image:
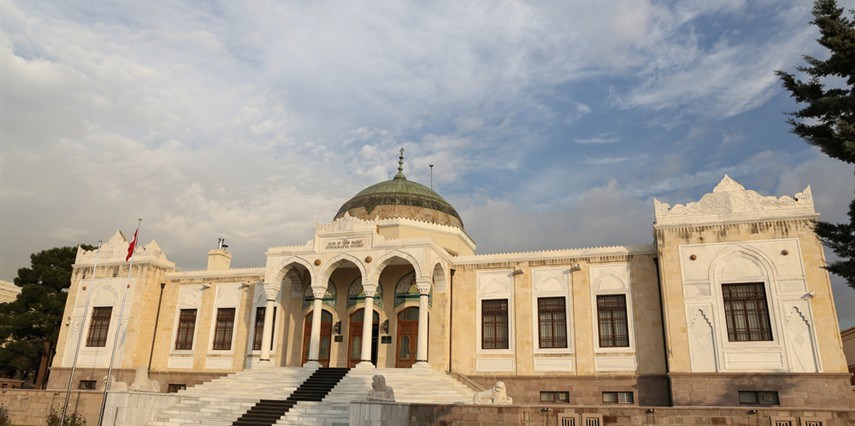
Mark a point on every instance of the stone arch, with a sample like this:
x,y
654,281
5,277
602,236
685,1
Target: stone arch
x,y
289,265
335,263
439,277
105,295
387,258
745,254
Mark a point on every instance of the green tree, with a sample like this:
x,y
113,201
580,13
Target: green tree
x,y
828,119
32,321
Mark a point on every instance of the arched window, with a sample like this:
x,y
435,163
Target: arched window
x,y
355,294
328,299
406,289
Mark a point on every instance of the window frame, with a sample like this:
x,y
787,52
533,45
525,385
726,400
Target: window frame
x,y
612,320
483,323
178,329
544,285
619,271
552,323
727,316
106,330
495,284
230,334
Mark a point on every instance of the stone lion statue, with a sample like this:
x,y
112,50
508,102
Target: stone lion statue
x,y
496,395
380,391
116,385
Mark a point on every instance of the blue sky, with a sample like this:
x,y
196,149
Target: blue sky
x,y
550,124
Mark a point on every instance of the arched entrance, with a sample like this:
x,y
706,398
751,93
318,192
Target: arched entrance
x,y
354,339
326,337
408,334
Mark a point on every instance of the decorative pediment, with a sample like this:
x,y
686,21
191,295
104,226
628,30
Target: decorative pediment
x,y
730,201
346,223
116,249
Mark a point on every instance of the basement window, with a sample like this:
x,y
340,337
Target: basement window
x,y
175,387
758,398
555,396
618,398
86,385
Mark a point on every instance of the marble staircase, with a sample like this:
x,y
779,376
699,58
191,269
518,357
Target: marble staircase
x,y
222,401
415,385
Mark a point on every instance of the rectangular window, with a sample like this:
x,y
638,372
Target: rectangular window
x,y
746,312
223,329
257,334
555,396
98,327
175,387
494,324
86,385
611,318
552,322
758,398
186,328
618,398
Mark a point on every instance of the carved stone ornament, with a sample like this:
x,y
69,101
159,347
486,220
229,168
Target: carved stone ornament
x,y
730,201
345,223
496,395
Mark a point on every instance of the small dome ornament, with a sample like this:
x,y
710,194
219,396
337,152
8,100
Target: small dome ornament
x,y
400,174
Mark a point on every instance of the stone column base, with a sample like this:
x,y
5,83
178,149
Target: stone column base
x,y
365,365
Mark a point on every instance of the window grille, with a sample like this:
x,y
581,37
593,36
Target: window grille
x,y
758,398
86,385
223,329
494,324
746,312
592,419
812,421
618,398
356,294
186,328
552,322
568,419
612,321
99,326
555,396
329,295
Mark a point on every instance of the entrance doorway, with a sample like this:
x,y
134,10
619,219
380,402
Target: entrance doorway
x,y
354,346
326,337
408,336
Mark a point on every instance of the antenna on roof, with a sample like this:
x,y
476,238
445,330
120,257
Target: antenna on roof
x,y
431,176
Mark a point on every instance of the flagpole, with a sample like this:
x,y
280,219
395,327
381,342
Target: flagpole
x,y
131,252
80,336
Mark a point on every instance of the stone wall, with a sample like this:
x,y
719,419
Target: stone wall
x,y
649,390
32,407
365,413
794,390
59,377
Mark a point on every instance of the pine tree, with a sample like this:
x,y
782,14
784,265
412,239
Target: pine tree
x,y
828,119
32,321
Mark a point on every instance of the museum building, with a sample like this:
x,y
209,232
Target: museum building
x,y
729,305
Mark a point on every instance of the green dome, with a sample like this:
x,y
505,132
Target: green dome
x,y
400,197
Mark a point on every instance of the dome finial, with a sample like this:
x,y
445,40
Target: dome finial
x,y
400,174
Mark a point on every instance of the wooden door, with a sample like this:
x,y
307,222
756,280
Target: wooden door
x,y
408,336
326,338
354,338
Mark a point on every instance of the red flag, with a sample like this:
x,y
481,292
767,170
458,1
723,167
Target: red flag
x,y
132,245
